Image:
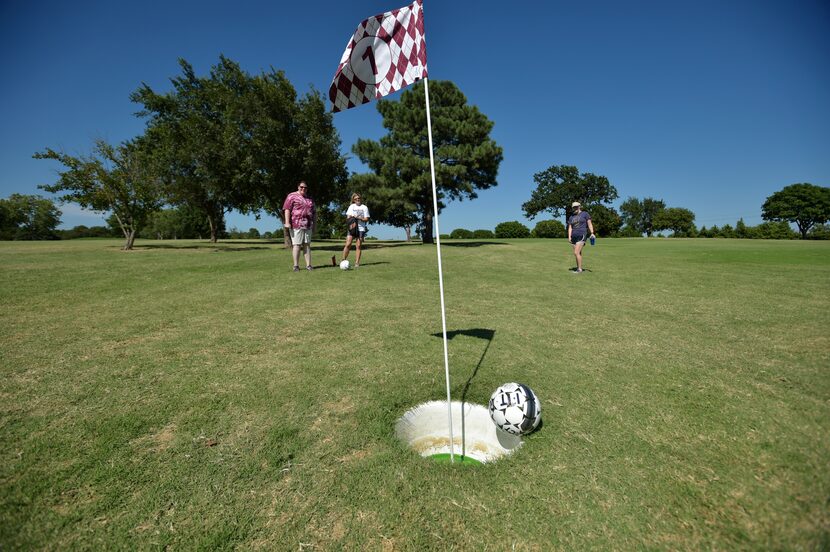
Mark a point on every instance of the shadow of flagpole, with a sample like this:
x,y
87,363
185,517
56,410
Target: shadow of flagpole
x,y
479,333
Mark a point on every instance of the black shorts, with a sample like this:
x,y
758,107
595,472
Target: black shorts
x,y
576,238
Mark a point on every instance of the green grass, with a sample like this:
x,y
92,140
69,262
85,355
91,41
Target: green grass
x,y
198,396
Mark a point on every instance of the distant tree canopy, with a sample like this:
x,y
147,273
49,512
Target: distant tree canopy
x,y
804,204
639,215
466,158
512,229
678,220
387,205
549,229
607,221
235,141
120,179
28,217
183,222
560,185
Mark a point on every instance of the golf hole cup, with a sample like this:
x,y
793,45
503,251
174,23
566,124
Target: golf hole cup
x,y
425,429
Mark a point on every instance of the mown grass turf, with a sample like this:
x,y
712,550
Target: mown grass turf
x,y
201,396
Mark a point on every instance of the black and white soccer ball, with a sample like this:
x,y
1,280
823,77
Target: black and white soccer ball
x,y
515,408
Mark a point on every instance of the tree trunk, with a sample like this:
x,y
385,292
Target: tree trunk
x,y
128,246
408,230
286,235
426,231
212,225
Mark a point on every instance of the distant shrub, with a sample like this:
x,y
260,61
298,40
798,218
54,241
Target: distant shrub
x,y
629,232
82,231
549,229
461,234
819,232
483,234
512,229
443,236
773,231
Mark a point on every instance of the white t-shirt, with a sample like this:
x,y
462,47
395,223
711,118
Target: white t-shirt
x,y
361,211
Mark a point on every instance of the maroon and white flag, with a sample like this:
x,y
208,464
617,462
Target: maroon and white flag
x,y
386,53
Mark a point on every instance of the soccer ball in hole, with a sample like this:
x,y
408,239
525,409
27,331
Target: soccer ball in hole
x,y
344,265
515,408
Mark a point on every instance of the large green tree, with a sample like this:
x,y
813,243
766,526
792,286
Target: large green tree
x,y
119,179
466,158
560,185
804,204
607,221
677,219
638,215
235,141
388,205
28,217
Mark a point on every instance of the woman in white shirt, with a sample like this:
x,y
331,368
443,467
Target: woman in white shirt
x,y
357,215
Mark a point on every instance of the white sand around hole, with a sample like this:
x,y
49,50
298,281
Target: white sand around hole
x,y
425,429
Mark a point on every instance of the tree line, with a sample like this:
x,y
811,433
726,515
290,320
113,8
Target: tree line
x,y
235,141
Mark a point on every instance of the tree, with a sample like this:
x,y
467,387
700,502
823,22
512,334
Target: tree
x,y
236,141
119,179
461,234
727,231
741,230
28,217
483,234
804,204
607,221
639,215
466,158
549,229
819,232
560,185
678,220
512,229
388,205
774,231
183,222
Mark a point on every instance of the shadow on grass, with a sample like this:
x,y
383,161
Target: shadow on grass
x,y
204,246
320,267
472,243
479,333
338,246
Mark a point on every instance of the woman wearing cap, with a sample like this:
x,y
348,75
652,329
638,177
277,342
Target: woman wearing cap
x,y
578,225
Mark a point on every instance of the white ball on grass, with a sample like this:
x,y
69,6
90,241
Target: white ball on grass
x,y
515,408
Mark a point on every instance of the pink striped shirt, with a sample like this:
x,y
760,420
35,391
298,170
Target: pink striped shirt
x,y
301,208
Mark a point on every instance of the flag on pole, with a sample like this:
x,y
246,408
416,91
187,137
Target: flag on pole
x,y
386,53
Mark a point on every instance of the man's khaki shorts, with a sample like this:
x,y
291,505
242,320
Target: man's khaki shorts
x,y
300,236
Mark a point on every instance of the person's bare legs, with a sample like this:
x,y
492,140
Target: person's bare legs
x,y
578,254
296,254
348,248
359,243
307,254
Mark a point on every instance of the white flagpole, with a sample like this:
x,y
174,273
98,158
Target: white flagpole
x,y
440,272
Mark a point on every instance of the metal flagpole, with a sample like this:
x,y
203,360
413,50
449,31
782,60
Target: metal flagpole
x,y
440,271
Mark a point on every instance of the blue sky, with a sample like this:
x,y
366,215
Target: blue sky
x,y
709,105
